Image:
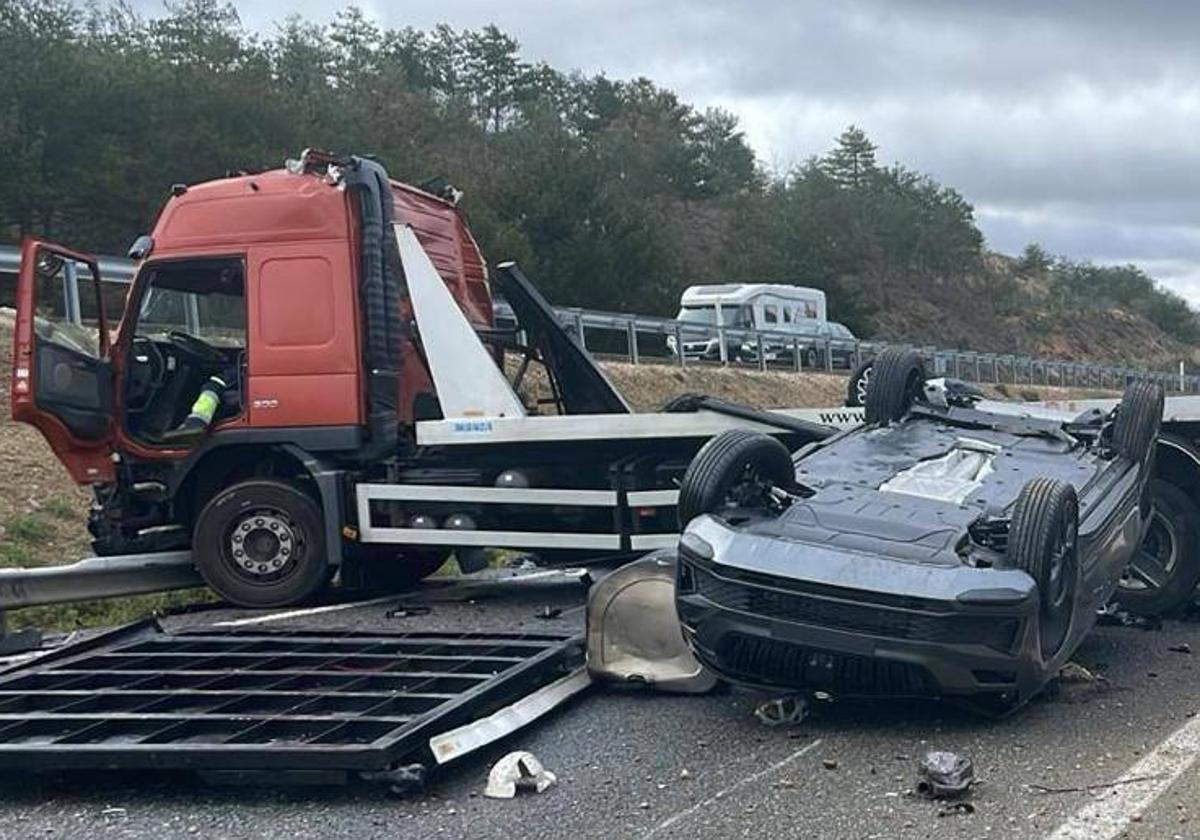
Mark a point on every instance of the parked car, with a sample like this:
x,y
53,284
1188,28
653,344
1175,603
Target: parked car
x,y
948,547
813,340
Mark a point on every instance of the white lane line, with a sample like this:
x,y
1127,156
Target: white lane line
x,y
328,608
748,780
1111,812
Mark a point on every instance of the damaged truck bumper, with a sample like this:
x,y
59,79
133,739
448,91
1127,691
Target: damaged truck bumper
x,y
773,613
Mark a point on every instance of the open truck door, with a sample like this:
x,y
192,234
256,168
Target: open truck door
x,y
62,376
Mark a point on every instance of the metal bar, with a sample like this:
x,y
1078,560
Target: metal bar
x,y
652,498
98,577
490,539
488,495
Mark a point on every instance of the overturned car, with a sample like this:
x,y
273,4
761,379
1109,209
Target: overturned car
x,y
947,547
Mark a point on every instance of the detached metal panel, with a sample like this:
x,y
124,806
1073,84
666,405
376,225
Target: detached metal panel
x,y
255,699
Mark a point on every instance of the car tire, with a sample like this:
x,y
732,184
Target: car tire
x,y
1163,575
895,382
281,534
856,387
380,569
723,463
1043,541
1138,420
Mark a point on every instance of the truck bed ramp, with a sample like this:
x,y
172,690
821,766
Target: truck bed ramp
x,y
248,698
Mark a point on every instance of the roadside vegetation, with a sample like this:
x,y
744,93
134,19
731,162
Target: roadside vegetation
x,y
611,193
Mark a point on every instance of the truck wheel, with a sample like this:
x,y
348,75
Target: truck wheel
x,y
1042,541
1163,574
856,388
735,468
895,381
261,543
383,569
1138,420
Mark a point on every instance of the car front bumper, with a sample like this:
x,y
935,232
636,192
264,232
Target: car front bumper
x,y
782,614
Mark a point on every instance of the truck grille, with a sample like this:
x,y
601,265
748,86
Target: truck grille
x,y
862,617
771,661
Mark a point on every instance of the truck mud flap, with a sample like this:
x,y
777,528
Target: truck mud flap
x,y
248,699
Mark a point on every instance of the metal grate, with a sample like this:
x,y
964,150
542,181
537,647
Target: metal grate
x,y
259,699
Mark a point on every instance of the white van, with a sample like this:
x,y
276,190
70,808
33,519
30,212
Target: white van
x,y
744,306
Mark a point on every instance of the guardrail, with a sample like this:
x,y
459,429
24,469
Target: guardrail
x,y
641,339
95,577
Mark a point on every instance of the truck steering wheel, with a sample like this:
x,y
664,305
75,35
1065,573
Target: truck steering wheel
x,y
193,346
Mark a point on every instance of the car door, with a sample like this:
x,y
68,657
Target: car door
x,y
62,376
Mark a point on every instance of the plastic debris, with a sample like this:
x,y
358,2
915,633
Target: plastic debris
x,y
1073,672
547,613
789,710
944,775
1182,647
1114,616
518,770
829,763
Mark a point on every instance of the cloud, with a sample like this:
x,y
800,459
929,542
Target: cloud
x,y
1070,123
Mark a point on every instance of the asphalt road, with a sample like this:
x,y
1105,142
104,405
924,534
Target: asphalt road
x,y
636,764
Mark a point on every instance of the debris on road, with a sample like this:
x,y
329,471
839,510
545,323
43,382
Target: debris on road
x,y
829,763
1076,684
951,809
944,775
408,778
633,632
548,613
1112,616
1091,788
789,710
407,611
1182,647
518,770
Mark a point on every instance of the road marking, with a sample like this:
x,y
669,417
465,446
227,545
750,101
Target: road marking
x,y
1110,813
328,608
748,780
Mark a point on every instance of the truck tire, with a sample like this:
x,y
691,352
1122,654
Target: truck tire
x,y
261,543
856,387
726,463
1163,575
382,569
1138,420
1042,540
895,382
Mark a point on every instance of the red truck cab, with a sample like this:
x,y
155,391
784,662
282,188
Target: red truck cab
x,y
286,284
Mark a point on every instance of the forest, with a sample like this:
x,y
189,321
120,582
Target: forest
x,y
611,193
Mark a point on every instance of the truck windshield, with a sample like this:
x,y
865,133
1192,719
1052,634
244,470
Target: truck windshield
x,y
731,316
203,300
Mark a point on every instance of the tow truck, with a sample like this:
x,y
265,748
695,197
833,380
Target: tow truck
x,y
374,422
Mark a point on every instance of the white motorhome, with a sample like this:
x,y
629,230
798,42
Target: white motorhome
x,y
742,306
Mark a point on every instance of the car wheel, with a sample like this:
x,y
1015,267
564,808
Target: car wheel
x,y
1042,541
895,381
734,469
856,387
261,543
1163,574
1138,419
381,569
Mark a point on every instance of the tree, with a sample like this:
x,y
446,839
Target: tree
x,y
851,163
1034,260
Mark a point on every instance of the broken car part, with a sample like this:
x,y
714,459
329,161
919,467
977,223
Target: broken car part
x,y
517,771
251,698
943,775
633,633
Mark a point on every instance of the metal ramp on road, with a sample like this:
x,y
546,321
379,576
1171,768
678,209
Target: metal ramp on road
x,y
253,699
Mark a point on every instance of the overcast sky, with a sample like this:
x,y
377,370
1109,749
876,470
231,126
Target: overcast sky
x,y
1072,123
